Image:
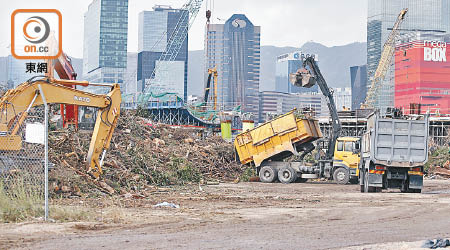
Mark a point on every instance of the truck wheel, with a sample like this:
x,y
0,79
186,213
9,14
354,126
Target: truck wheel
x,y
341,176
361,179
367,189
267,174
287,175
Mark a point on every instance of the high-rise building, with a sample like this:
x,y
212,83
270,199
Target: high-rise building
x,y
105,41
342,98
287,64
422,83
130,75
4,72
358,78
234,49
430,16
16,71
155,28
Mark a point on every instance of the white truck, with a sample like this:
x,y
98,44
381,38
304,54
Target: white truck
x,y
393,153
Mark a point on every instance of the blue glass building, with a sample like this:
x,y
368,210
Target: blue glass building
x,y
155,28
234,49
105,41
358,77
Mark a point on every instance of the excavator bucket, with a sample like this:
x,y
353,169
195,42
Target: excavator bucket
x,y
302,78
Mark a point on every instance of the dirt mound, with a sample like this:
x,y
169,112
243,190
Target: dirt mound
x,y
141,156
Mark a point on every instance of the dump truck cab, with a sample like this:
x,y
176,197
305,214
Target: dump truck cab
x,y
347,157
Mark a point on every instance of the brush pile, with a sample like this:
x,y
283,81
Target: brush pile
x,y
142,156
438,160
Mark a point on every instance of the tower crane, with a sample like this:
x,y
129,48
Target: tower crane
x,y
189,12
383,64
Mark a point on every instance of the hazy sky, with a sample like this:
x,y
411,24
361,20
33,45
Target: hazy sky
x,y
283,22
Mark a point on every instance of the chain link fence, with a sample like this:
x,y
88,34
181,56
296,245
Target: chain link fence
x,y
22,165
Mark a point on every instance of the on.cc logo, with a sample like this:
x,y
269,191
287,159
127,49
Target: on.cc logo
x,y
36,29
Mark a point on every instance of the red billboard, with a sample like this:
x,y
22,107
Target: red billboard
x,y
422,77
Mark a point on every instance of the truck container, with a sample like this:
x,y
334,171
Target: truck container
x,y
276,139
393,153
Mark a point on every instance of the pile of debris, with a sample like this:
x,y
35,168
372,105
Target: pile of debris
x,y
438,161
142,156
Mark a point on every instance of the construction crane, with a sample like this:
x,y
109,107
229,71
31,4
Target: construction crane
x,y
174,43
383,64
212,73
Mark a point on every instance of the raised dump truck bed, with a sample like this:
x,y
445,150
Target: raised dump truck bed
x,y
393,153
277,139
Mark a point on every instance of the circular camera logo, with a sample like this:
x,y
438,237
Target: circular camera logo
x,y
36,34
36,29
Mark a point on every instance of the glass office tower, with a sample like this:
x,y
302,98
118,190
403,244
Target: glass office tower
x,y
426,16
234,49
105,41
155,29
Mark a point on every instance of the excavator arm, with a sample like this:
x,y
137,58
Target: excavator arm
x,y
16,103
307,79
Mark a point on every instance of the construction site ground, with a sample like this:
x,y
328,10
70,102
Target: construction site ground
x,y
313,215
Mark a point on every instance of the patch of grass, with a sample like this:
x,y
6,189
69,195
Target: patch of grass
x,y
248,173
183,171
69,214
20,202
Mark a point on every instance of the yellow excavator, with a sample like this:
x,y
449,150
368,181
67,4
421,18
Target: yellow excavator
x,y
16,103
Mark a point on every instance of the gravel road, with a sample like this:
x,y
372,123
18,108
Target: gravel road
x,y
257,216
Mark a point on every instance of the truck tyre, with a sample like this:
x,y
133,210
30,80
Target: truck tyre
x,y
341,176
367,189
287,175
361,178
267,174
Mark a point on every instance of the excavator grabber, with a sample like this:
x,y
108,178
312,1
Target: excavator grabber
x,y
16,104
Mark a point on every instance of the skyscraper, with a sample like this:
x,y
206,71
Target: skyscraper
x,y
105,41
358,78
428,16
16,71
287,64
234,49
155,28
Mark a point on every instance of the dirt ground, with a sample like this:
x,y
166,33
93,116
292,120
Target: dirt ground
x,y
251,216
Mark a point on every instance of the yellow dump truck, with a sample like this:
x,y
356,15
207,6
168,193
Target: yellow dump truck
x,y
266,146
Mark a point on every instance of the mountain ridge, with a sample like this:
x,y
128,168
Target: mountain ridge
x,y
334,63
